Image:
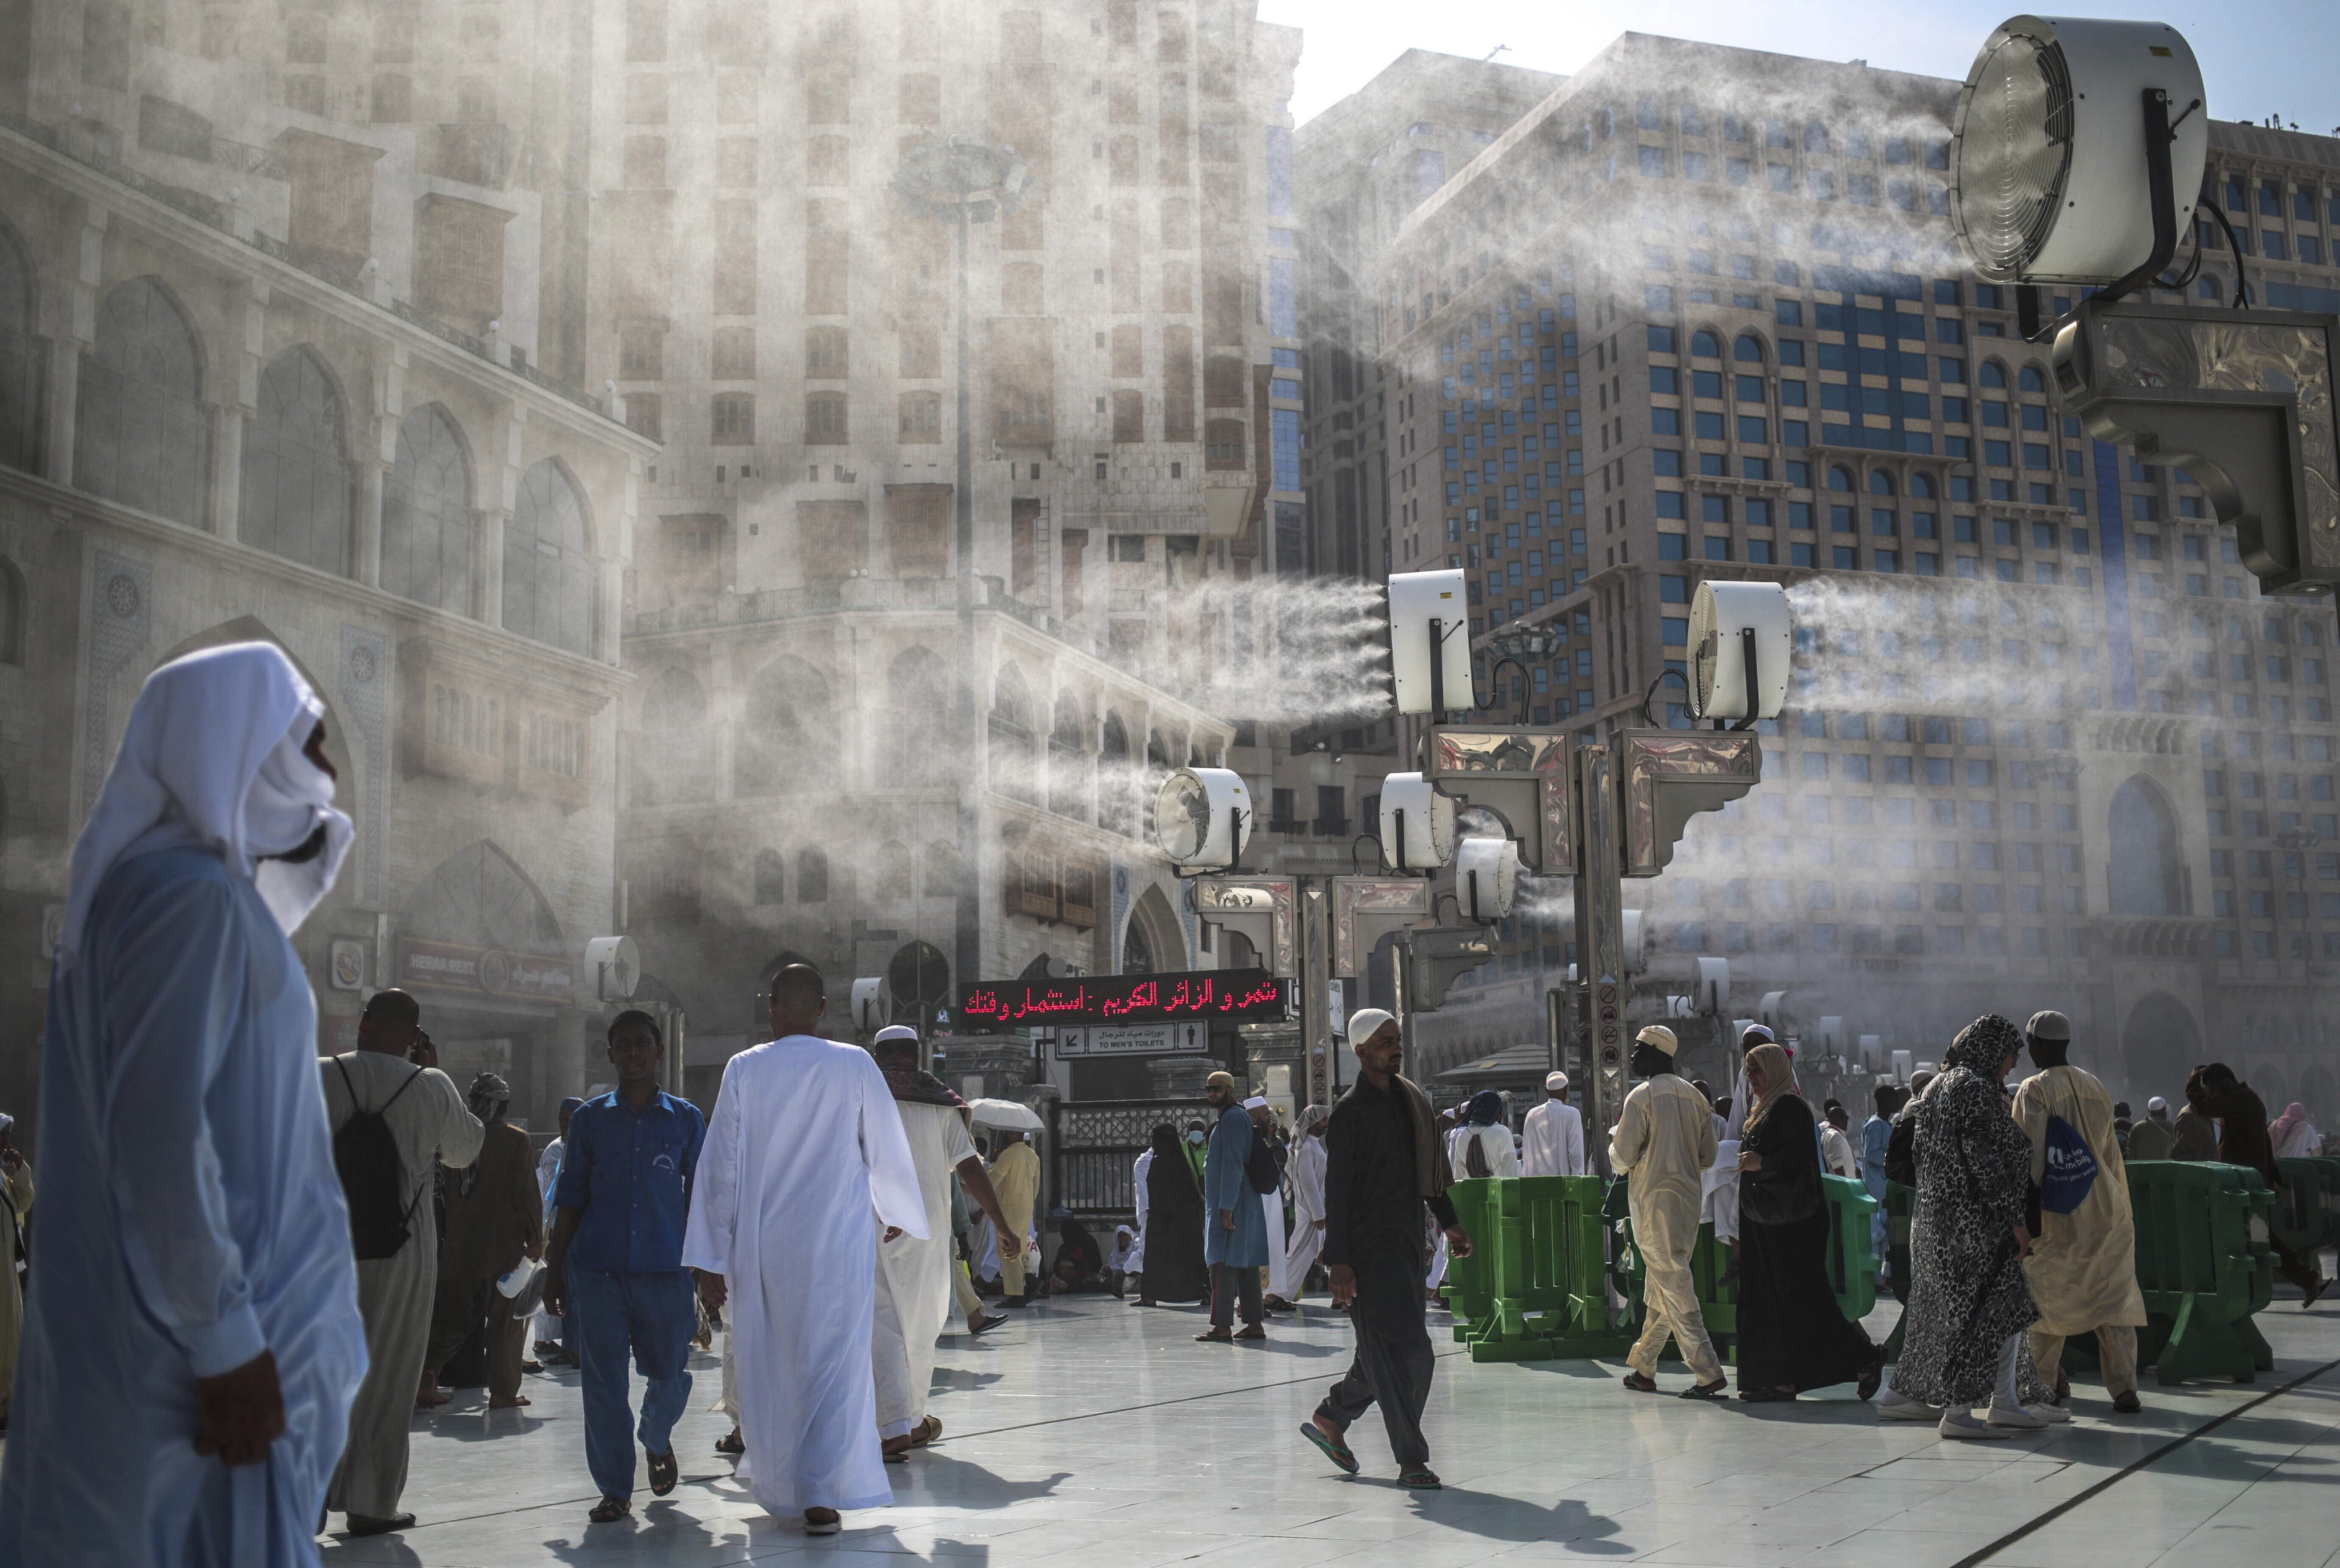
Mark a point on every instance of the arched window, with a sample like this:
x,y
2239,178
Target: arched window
x,y
427,531
1840,479
1992,375
2146,876
12,613
1921,488
942,870
20,358
2031,381
548,574
893,870
1117,778
1879,482
141,435
1156,752
1747,350
1069,779
786,745
771,876
1014,755
1705,345
1136,952
296,477
812,876
919,689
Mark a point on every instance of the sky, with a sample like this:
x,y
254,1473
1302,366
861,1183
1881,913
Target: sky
x,y
2259,57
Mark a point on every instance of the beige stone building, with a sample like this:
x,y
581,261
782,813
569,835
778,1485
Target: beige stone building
x,y
272,292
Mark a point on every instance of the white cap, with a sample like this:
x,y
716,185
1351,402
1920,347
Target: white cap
x,y
896,1032
1555,1083
1256,1103
2156,1104
1364,1021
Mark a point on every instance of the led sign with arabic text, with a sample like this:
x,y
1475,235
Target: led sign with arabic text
x,y
1238,996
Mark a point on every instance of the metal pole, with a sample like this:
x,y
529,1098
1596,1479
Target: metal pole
x,y
1601,929
967,958
1316,978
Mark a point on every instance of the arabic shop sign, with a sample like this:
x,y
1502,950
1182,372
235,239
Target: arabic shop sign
x,y
489,971
1238,996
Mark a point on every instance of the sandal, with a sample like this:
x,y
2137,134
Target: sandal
x,y
1641,1385
925,1432
1419,1479
610,1510
733,1443
828,1526
1875,1375
1215,1336
664,1472
1252,1331
1332,1448
363,1525
1719,1389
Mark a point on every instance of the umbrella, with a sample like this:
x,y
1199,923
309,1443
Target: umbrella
x,y
1005,1114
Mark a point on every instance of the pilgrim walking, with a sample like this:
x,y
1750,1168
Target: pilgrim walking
x,y
1663,1145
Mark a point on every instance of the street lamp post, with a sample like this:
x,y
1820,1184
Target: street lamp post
x,y
963,181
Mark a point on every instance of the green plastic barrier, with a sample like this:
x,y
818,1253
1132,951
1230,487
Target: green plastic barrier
x,y
2307,1204
1534,1288
1850,1256
2205,1266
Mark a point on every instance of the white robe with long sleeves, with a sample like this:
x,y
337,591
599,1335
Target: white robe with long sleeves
x,y
1307,1214
1554,1141
913,1283
1139,1172
190,1219
805,1149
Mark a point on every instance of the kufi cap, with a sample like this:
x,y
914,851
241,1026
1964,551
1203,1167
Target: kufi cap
x,y
1221,1081
1660,1036
896,1032
1256,1103
1555,1083
2049,1026
2155,1105
1758,1035
1364,1023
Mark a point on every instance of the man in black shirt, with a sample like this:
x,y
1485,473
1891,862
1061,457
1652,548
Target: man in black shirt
x,y
1383,1162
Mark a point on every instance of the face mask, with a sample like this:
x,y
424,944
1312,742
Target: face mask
x,y
1195,1137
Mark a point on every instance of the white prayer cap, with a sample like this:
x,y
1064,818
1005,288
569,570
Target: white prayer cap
x,y
1662,1038
896,1032
1555,1083
1256,1103
1364,1022
2155,1105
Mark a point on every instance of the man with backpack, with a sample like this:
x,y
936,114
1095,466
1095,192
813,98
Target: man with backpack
x,y
2082,1266
392,1117
1235,1225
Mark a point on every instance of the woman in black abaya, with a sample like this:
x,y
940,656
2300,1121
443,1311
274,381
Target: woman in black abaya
x,y
1175,1270
1792,1335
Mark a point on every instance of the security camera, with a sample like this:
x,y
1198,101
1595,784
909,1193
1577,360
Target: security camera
x,y
1430,641
1417,823
2069,133
1738,652
1486,878
1203,819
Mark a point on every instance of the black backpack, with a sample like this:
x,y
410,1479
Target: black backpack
x,y
1901,1151
1263,1166
373,1176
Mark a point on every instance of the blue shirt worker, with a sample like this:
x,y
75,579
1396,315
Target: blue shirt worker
x,y
1876,1139
620,1207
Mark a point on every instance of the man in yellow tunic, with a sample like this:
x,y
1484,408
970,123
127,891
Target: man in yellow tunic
x,y
1016,1177
1663,1144
2083,1266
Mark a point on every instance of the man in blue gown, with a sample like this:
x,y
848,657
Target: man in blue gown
x,y
192,1342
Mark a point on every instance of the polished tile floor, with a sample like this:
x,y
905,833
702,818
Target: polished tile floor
x,y
1092,1432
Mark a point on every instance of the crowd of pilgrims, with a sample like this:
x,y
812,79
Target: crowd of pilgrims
x,y
254,1265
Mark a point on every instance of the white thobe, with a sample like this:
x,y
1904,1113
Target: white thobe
x,y
1554,1142
913,1297
1271,1203
1494,1145
1307,1214
1138,1256
544,1326
190,1219
804,1147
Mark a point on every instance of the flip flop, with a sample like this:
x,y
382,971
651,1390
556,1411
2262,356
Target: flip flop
x,y
1338,1452
664,1472
610,1510
823,1526
1420,1480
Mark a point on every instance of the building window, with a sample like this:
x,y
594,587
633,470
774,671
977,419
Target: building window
x,y
771,876
735,354
548,577
641,353
827,353
824,418
141,435
733,420
922,354
295,496
427,530
922,417
646,414
1128,415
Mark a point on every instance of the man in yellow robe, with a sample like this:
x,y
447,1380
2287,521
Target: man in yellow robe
x,y
1663,1143
2083,1266
1016,1177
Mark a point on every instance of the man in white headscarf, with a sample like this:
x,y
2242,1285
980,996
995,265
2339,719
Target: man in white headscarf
x,y
191,1344
1554,1134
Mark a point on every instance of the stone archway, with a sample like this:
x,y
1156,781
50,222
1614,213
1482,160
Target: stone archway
x,y
2160,1044
1151,942
2145,875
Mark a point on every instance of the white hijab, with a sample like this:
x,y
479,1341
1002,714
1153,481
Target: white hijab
x,y
212,758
